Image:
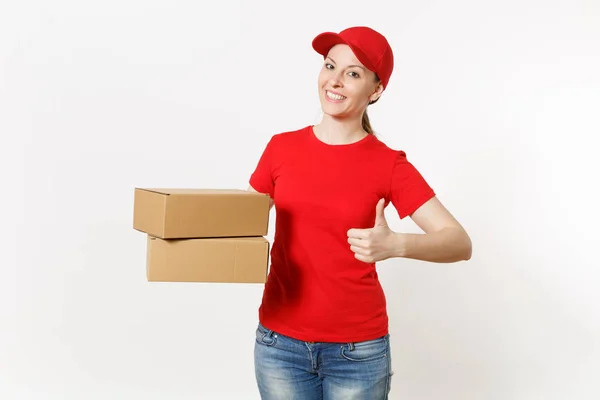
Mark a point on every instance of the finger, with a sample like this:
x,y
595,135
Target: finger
x,y
359,250
357,242
363,258
358,233
379,213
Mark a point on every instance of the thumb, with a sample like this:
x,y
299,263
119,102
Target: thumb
x,y
379,215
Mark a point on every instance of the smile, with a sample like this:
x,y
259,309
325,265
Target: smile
x,y
334,96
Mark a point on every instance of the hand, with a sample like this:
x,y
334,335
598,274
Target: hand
x,y
373,244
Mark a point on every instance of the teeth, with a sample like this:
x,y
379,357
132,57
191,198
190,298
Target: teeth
x,y
334,96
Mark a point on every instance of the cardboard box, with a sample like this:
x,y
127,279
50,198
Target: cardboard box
x,y
200,213
242,260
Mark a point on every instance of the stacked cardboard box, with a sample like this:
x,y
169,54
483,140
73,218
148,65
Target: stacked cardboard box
x,y
203,235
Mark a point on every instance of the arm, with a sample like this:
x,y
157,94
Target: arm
x,y
251,189
444,240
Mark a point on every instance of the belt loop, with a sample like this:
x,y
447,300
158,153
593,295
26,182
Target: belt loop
x,y
350,346
268,337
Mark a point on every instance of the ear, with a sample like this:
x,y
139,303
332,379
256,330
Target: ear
x,y
377,93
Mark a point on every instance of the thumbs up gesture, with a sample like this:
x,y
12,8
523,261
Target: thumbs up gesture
x,y
373,244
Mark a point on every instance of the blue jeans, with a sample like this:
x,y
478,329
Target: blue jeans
x,y
290,369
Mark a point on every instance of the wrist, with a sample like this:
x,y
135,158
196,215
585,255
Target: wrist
x,y
399,244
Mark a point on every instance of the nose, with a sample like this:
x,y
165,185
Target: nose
x,y
335,80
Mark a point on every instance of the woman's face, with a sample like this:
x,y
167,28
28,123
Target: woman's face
x,y
345,85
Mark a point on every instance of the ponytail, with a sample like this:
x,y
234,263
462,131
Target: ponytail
x,y
366,124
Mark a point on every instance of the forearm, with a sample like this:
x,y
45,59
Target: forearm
x,y
445,246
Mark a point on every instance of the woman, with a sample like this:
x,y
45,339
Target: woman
x,y
323,331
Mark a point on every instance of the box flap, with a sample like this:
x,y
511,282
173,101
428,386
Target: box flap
x,y
169,191
239,239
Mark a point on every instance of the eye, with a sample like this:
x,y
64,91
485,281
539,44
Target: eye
x,y
354,74
328,66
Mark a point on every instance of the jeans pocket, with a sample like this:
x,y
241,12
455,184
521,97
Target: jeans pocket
x,y
369,350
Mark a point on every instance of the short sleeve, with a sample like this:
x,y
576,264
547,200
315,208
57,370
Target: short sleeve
x,y
262,177
408,188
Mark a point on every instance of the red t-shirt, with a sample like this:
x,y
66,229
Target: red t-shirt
x,y
316,289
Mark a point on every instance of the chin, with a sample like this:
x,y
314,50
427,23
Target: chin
x,y
333,110
334,114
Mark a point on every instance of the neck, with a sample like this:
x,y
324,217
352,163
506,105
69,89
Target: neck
x,y
333,130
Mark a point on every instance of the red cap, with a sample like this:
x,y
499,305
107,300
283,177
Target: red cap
x,y
369,46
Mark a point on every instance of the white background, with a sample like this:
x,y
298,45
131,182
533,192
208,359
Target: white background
x,y
496,103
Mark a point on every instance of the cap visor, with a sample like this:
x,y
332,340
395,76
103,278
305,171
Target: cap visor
x,y
325,41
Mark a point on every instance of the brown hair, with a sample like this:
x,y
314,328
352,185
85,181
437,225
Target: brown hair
x,y
366,124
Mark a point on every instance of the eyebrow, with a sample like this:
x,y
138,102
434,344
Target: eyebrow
x,y
349,66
